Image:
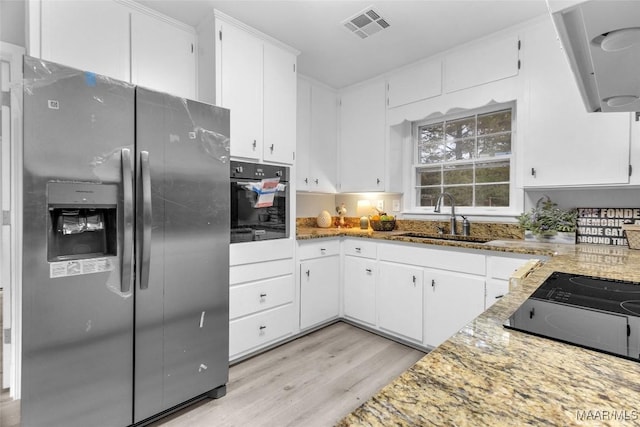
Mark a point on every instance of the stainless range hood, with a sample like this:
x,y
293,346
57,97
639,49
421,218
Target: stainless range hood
x,y
602,41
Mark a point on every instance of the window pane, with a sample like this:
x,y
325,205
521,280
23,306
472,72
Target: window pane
x,y
431,153
494,145
461,128
431,143
430,133
462,174
492,172
462,196
461,149
492,195
428,196
499,121
428,177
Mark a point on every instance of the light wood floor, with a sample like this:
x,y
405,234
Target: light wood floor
x,y
312,381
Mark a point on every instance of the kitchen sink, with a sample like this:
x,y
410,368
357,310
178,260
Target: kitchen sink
x,y
456,238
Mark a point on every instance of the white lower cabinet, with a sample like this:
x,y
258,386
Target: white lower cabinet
x,y
319,279
451,300
258,330
261,295
400,307
359,289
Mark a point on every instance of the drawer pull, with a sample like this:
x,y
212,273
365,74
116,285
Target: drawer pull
x,y
308,273
358,249
499,296
433,283
263,295
368,270
323,250
414,281
262,328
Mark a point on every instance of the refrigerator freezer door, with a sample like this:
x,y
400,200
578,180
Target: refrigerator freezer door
x,y
182,318
77,336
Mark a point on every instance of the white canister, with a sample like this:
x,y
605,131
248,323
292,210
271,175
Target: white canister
x,y
324,219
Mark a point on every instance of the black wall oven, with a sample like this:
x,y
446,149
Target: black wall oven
x,y
259,202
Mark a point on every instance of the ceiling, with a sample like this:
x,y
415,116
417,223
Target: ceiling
x,y
338,58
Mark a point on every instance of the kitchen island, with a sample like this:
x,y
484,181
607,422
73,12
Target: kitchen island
x,y
488,375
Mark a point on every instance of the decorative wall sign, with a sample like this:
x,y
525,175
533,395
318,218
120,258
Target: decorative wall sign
x,y
603,226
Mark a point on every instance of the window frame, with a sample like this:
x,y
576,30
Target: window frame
x,y
412,191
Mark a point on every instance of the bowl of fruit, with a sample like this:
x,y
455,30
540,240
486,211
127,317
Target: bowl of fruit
x,y
382,222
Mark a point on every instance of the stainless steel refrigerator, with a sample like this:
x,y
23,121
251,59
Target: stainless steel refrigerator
x,y
126,250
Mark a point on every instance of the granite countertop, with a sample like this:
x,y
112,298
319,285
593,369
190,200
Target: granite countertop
x,y
500,245
486,375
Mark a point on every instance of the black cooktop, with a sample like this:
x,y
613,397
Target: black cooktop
x,y
610,295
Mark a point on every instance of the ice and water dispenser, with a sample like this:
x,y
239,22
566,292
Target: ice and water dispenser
x,y
82,220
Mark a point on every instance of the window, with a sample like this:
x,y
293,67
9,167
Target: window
x,y
467,156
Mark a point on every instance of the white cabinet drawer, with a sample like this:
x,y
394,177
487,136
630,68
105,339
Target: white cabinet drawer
x,y
267,250
442,258
360,247
258,296
250,333
503,267
318,249
260,271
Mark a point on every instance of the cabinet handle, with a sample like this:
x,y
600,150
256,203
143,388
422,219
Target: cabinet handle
x,y
308,273
271,148
323,250
414,281
358,249
533,172
368,270
262,327
532,313
499,296
433,283
306,180
263,295
377,180
255,144
316,180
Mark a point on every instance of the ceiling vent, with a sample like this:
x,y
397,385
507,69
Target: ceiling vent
x,y
366,23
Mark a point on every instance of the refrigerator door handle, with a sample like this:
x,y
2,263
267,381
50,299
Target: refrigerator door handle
x,y
147,219
126,261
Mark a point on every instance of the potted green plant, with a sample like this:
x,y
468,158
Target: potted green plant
x,y
546,222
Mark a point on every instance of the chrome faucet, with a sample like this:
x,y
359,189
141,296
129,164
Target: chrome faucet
x,y
453,210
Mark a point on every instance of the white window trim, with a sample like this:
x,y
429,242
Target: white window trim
x,y
516,196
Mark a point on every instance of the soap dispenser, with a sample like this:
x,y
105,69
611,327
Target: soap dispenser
x,y
466,226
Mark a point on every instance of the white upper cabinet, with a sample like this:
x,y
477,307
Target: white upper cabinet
x,y
420,81
488,61
256,80
563,144
280,83
239,88
362,137
92,36
122,40
162,56
316,142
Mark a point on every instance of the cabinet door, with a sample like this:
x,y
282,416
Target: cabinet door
x,y
319,290
92,36
360,289
362,137
303,135
280,82
162,56
240,87
400,308
496,289
559,131
324,135
451,301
